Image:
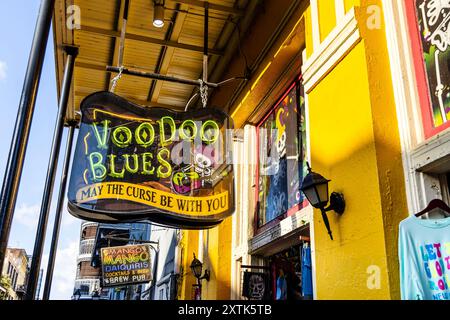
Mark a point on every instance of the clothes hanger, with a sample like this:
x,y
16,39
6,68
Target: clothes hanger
x,y
434,204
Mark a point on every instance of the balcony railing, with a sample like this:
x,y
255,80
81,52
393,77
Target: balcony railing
x,y
86,247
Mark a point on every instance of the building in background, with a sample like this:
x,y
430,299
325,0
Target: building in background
x,y
93,237
16,270
166,264
87,279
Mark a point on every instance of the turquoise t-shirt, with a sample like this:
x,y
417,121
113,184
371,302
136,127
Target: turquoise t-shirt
x,y
424,253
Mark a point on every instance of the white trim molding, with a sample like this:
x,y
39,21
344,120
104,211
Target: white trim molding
x,y
333,49
315,24
433,156
311,223
339,6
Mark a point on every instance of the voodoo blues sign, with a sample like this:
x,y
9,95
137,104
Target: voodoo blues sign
x,y
134,163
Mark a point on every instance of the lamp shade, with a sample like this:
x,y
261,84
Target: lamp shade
x,y
196,267
315,188
158,15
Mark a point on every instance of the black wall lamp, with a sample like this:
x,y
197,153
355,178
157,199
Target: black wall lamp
x,y
315,188
197,267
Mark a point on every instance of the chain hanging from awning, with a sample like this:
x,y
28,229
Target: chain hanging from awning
x,y
203,83
123,32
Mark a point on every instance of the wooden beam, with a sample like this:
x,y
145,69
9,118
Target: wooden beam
x,y
91,66
143,103
177,27
146,39
116,44
212,6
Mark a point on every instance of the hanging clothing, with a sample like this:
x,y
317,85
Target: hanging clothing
x,y
281,288
307,289
424,256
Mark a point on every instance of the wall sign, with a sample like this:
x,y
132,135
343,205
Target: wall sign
x,y
429,23
434,22
134,163
126,265
255,285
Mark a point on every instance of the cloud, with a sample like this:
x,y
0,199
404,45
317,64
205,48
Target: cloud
x,y
28,215
67,218
64,271
3,69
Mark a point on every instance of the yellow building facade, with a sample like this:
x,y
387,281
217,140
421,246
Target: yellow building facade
x,y
340,51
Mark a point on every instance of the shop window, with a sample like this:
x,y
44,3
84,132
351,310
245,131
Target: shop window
x,y
281,157
429,27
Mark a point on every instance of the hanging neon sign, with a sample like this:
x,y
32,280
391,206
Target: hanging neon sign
x,y
135,163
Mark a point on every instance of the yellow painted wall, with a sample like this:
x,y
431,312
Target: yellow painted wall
x,y
350,4
387,140
327,17
355,143
217,259
308,32
189,246
224,253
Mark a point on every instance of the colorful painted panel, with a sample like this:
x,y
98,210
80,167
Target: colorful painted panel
x,y
433,17
282,142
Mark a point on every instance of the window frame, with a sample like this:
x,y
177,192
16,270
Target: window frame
x,y
291,211
420,73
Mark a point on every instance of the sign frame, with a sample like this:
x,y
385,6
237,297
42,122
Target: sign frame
x,y
105,101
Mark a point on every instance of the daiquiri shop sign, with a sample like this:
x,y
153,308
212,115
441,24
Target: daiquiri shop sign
x,y
134,163
126,265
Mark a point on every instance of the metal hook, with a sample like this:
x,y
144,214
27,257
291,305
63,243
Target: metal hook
x,y
116,79
203,92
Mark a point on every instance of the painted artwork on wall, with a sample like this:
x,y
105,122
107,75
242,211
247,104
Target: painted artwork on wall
x,y
433,20
281,166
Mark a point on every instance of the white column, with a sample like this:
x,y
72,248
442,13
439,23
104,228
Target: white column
x,y
340,10
315,24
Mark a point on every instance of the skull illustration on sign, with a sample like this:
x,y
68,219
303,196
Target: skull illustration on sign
x,y
256,287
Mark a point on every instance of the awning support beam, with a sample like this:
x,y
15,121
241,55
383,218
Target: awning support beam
x,y
59,211
19,143
71,52
212,6
157,76
146,39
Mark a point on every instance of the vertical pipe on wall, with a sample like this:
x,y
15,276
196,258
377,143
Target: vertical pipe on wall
x,y
14,166
51,172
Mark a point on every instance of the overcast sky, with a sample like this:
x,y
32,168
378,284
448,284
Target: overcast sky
x,y
16,32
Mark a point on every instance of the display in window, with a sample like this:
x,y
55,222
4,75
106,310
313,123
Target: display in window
x,y
282,163
434,21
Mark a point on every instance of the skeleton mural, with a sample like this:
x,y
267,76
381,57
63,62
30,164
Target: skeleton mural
x,y
434,24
